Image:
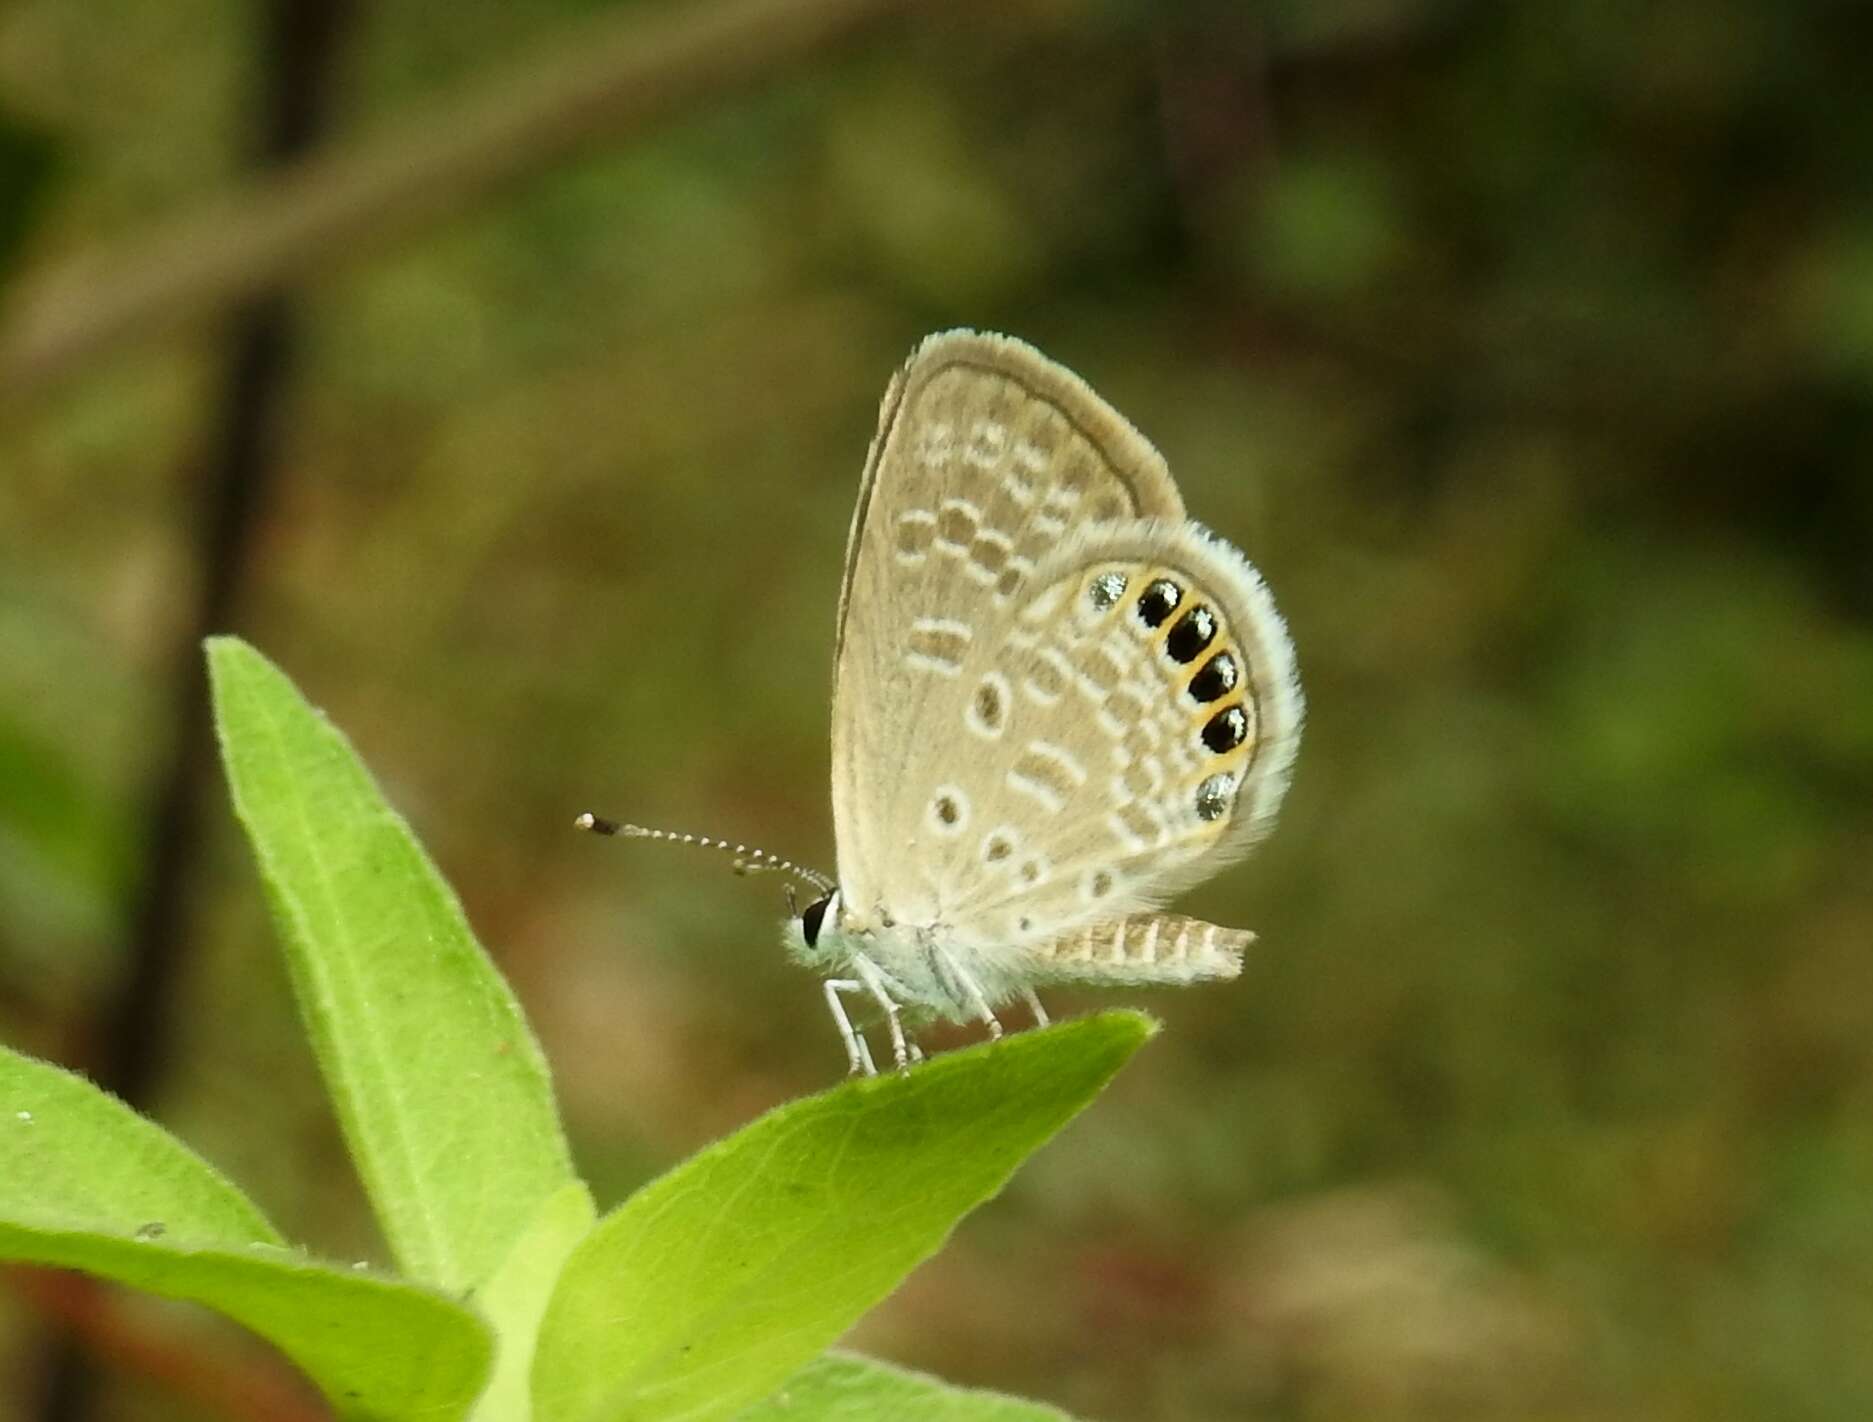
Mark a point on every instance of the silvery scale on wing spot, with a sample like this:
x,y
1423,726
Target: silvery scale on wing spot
x,y
1057,701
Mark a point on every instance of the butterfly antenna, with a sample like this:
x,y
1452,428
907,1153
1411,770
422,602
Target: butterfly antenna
x,y
747,860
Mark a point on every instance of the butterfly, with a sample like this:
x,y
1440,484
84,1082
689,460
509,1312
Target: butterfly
x,y
1057,700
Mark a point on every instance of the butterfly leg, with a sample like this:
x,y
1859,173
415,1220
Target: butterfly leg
x,y
857,1050
972,990
874,982
1041,1019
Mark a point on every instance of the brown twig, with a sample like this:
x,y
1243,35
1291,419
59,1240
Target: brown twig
x,y
615,78
238,467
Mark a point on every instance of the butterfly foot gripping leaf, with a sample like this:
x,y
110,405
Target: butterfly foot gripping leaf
x,y
1056,701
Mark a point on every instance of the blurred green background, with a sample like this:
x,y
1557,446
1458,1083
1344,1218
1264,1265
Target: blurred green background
x,y
1527,349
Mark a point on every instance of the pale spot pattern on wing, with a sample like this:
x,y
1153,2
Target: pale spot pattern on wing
x,y
1098,667
986,715
1097,883
989,557
934,444
938,644
1013,577
915,528
987,444
1044,793
1019,474
957,523
1048,774
949,811
1139,826
1045,676
999,845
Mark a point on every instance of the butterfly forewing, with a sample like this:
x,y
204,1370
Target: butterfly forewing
x,y
989,459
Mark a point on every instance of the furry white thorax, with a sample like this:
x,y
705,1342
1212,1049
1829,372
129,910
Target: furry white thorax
x,y
922,967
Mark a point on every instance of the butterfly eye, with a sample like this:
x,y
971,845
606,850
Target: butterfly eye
x,y
813,918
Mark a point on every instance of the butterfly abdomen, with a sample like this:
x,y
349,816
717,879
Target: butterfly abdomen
x,y
1144,948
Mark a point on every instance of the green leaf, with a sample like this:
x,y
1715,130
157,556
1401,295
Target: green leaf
x,y
75,1156
705,1290
439,1085
515,1298
91,1185
377,1348
843,1388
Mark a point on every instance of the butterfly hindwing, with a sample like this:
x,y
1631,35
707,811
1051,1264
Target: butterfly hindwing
x,y
1151,719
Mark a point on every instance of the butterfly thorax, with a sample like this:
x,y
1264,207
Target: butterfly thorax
x,y
922,966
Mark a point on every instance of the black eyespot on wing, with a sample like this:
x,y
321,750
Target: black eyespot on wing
x,y
813,919
1226,729
1218,676
1158,602
1194,631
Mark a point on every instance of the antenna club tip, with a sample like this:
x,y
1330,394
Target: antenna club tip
x,y
597,824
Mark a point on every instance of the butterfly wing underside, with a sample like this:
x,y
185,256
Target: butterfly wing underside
x,y
1185,713
1018,754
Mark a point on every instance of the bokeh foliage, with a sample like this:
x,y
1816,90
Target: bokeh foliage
x,y
1529,351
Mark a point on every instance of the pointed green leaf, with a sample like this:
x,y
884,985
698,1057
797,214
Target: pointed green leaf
x,y
88,1184
704,1291
439,1085
76,1156
376,1347
844,1388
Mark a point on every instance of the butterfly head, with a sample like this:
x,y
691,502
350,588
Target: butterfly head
x,y
826,933
813,935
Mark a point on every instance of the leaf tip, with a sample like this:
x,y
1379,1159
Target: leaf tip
x,y
1117,1032
223,650
1123,1028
